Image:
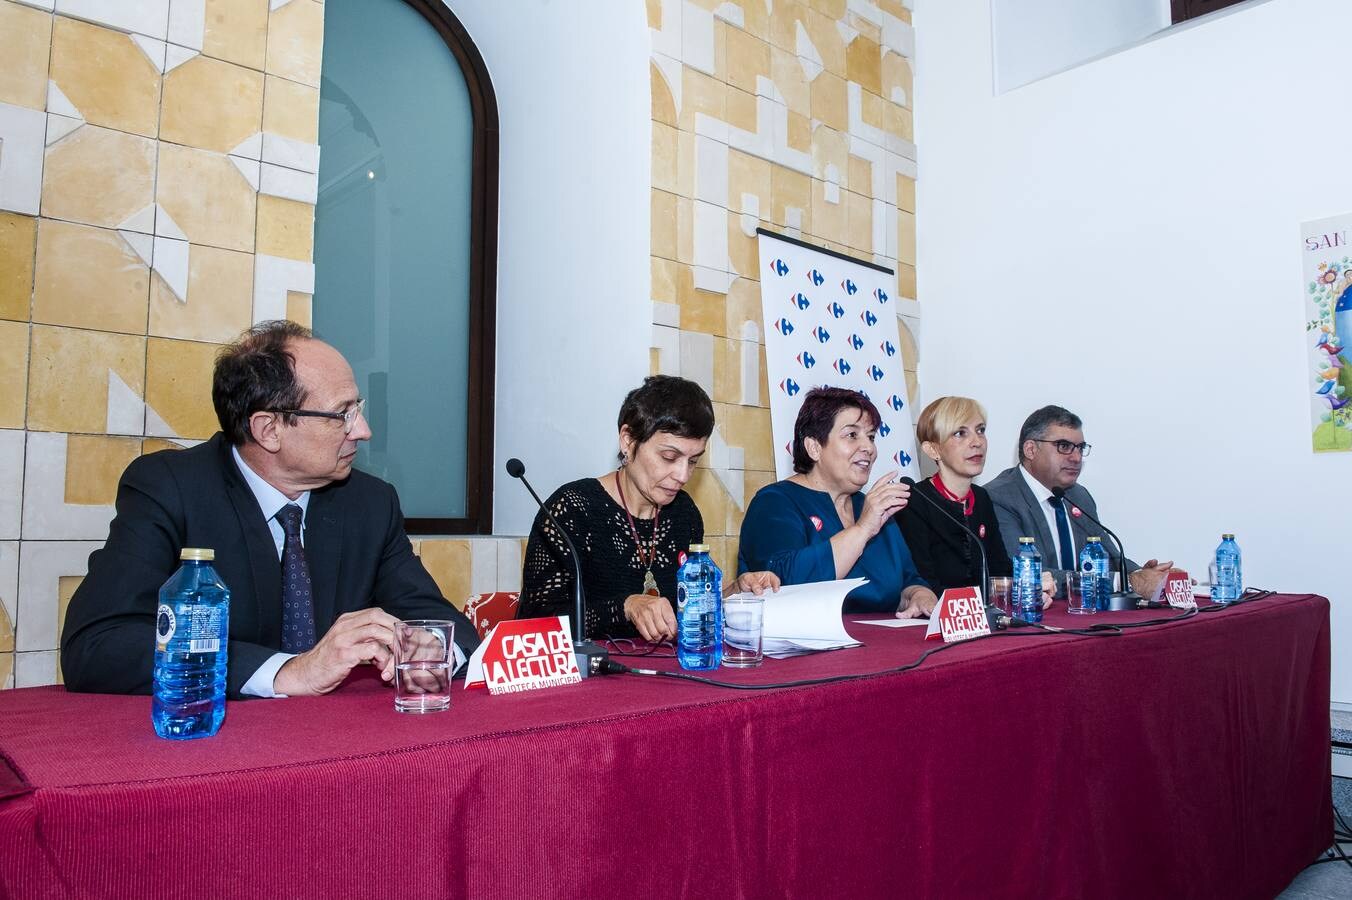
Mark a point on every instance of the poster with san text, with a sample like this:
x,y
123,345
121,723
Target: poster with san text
x,y
1327,267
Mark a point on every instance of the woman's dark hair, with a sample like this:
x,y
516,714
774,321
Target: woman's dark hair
x,y
818,413
256,373
667,403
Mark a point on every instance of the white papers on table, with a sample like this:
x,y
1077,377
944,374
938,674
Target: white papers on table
x,y
803,618
893,622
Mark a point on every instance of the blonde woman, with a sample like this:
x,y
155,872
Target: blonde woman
x,y
952,432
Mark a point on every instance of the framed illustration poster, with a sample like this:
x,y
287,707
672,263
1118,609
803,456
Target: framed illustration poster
x,y
1327,269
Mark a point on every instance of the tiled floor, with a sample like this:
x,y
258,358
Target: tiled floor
x,y
1332,880
1326,881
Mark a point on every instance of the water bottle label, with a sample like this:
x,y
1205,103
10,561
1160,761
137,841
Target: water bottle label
x,y
198,628
166,623
696,603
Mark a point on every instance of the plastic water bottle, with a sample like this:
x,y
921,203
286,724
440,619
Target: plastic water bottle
x,y
1094,561
192,631
1028,581
699,611
1229,574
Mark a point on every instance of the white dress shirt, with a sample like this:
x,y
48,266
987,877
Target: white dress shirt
x,y
1043,494
270,501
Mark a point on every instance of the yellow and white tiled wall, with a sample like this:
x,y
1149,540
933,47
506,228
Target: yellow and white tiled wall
x,y
158,173
793,115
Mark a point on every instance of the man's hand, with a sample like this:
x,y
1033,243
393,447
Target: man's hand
x,y
1147,579
918,602
652,616
355,638
1048,589
753,582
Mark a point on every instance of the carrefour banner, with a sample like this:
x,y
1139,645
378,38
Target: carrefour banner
x,y
832,321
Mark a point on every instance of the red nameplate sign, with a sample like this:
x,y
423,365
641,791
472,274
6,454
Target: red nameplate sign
x,y
524,655
1176,590
960,616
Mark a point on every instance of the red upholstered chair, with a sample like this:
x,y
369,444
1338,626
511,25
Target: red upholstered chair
x,y
487,610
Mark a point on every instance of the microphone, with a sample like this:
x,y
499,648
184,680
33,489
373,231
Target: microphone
x,y
999,620
969,533
1118,600
590,656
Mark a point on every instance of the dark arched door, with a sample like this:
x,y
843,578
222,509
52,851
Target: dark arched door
x,y
405,248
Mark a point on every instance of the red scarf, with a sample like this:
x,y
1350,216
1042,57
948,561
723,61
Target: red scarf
x,y
968,502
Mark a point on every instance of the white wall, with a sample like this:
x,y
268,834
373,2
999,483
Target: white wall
x,y
574,312
1122,239
1034,38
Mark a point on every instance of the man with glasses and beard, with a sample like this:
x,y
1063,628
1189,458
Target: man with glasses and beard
x,y
275,495
1041,498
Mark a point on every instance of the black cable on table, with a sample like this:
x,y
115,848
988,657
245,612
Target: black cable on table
x,y
1250,594
1103,629
1039,631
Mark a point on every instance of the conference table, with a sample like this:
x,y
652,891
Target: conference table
x,y
1184,759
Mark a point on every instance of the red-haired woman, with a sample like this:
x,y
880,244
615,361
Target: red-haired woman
x,y
820,525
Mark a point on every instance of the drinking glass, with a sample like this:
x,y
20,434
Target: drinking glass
x,y
998,595
1081,588
422,665
743,622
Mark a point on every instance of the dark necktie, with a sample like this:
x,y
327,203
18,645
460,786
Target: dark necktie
x,y
1063,534
298,606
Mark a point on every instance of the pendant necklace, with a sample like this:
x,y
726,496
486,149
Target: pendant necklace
x,y
645,560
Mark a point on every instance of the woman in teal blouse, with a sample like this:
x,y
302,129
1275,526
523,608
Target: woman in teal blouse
x,y
819,525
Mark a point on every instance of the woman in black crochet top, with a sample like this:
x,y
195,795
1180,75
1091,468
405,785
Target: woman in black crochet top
x,y
632,526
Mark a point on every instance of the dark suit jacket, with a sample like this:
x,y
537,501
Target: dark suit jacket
x,y
1021,515
358,553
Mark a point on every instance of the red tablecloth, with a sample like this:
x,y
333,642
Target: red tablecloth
x,y
1186,760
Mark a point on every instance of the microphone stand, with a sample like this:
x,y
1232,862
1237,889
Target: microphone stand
x,y
591,656
1126,598
967,532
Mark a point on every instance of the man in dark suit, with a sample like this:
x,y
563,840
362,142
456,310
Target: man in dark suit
x,y
275,496
1028,501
